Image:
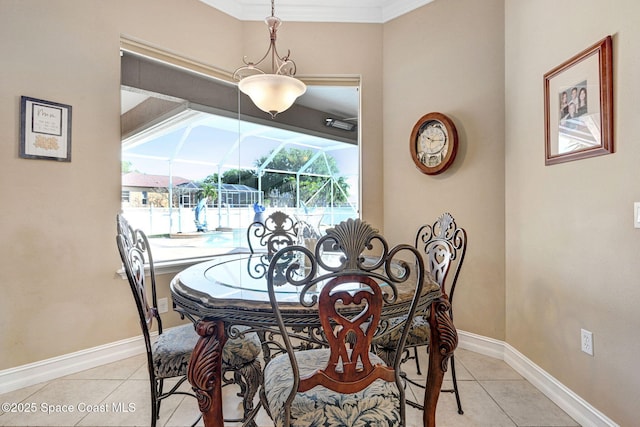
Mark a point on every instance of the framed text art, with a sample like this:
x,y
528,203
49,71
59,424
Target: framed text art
x,y
578,106
45,130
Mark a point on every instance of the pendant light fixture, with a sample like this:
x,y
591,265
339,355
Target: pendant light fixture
x,y
276,91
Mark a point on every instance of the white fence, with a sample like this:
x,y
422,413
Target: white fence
x,y
154,221
157,221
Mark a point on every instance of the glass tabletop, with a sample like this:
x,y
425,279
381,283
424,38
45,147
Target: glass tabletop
x,y
243,278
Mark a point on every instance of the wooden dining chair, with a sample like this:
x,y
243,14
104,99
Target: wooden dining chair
x,y
344,384
168,356
444,245
277,231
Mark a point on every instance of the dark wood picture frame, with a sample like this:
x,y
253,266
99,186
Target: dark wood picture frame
x,y
45,130
578,106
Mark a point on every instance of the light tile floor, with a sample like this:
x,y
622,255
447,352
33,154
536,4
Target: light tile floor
x,y
117,394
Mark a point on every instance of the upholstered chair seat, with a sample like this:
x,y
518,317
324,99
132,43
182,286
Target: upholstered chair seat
x,y
418,334
172,351
376,405
386,345
240,351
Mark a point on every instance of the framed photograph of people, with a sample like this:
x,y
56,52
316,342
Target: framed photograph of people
x,y
578,106
45,130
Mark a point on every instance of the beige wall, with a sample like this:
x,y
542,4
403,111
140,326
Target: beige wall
x,y
572,252
457,69
60,293
564,255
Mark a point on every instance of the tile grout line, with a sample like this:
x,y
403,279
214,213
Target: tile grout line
x,y
105,398
487,392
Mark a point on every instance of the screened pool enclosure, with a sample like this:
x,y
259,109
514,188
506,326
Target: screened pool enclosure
x,y
230,166
197,151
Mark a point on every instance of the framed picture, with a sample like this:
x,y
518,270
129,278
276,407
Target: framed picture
x,y
45,130
578,106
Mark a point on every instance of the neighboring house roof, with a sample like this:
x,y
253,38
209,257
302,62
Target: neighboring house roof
x,y
135,179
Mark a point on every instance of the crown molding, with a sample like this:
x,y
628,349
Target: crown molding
x,y
357,11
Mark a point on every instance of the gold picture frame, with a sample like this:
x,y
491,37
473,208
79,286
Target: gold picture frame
x,y
578,106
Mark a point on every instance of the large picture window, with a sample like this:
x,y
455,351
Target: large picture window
x,y
197,163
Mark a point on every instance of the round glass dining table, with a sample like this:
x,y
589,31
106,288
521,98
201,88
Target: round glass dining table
x,y
231,290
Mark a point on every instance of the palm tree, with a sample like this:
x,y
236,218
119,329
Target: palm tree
x,y
209,192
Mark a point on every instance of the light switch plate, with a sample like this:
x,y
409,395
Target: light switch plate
x,y
636,214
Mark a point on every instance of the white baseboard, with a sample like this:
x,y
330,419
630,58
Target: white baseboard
x,y
579,409
56,367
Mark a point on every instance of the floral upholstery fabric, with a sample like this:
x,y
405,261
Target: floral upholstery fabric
x,y
419,333
241,350
378,405
172,351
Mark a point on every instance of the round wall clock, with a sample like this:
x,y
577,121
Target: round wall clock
x,y
434,143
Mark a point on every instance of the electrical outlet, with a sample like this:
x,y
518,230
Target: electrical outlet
x,y
586,337
163,305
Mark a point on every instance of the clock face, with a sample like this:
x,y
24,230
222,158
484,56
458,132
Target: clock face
x,y
433,143
433,138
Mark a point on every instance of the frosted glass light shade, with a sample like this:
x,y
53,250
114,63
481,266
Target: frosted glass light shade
x,y
272,93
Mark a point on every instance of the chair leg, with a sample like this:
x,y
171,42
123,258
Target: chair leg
x,y
415,355
160,390
455,385
452,390
155,403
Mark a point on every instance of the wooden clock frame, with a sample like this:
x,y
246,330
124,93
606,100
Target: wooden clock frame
x,y
452,136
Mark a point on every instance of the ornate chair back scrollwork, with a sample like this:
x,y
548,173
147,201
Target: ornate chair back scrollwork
x,y
277,231
313,387
445,245
168,356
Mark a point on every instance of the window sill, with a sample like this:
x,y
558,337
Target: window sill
x,y
169,267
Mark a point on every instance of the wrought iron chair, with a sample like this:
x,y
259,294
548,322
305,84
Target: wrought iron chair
x,y
169,355
277,231
319,386
444,245
265,237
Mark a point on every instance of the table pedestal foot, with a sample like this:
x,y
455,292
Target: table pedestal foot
x,y
444,340
205,371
